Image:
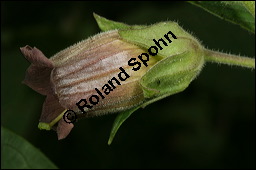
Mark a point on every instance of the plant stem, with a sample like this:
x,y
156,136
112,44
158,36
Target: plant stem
x,y
223,58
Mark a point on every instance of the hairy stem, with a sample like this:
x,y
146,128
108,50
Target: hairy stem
x,y
223,58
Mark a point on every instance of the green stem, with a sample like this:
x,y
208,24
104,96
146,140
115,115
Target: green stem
x,y
223,58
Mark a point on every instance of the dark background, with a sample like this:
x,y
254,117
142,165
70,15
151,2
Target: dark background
x,y
209,125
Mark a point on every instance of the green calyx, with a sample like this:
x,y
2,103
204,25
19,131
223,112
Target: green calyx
x,y
181,58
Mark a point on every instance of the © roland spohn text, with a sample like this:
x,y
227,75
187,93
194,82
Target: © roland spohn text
x,y
143,59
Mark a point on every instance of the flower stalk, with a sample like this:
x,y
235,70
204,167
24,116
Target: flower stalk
x,y
223,58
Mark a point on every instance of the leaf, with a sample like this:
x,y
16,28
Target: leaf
x,y
238,12
250,6
17,153
120,118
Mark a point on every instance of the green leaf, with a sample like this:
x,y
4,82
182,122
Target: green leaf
x,y
120,118
17,153
250,6
238,12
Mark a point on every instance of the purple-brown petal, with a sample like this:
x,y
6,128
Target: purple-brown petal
x,y
38,74
38,78
36,57
63,129
51,109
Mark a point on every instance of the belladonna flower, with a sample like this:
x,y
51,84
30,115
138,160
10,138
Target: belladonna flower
x,y
122,69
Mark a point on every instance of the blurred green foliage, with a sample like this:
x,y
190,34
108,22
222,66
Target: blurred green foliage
x,y
209,125
237,12
17,153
